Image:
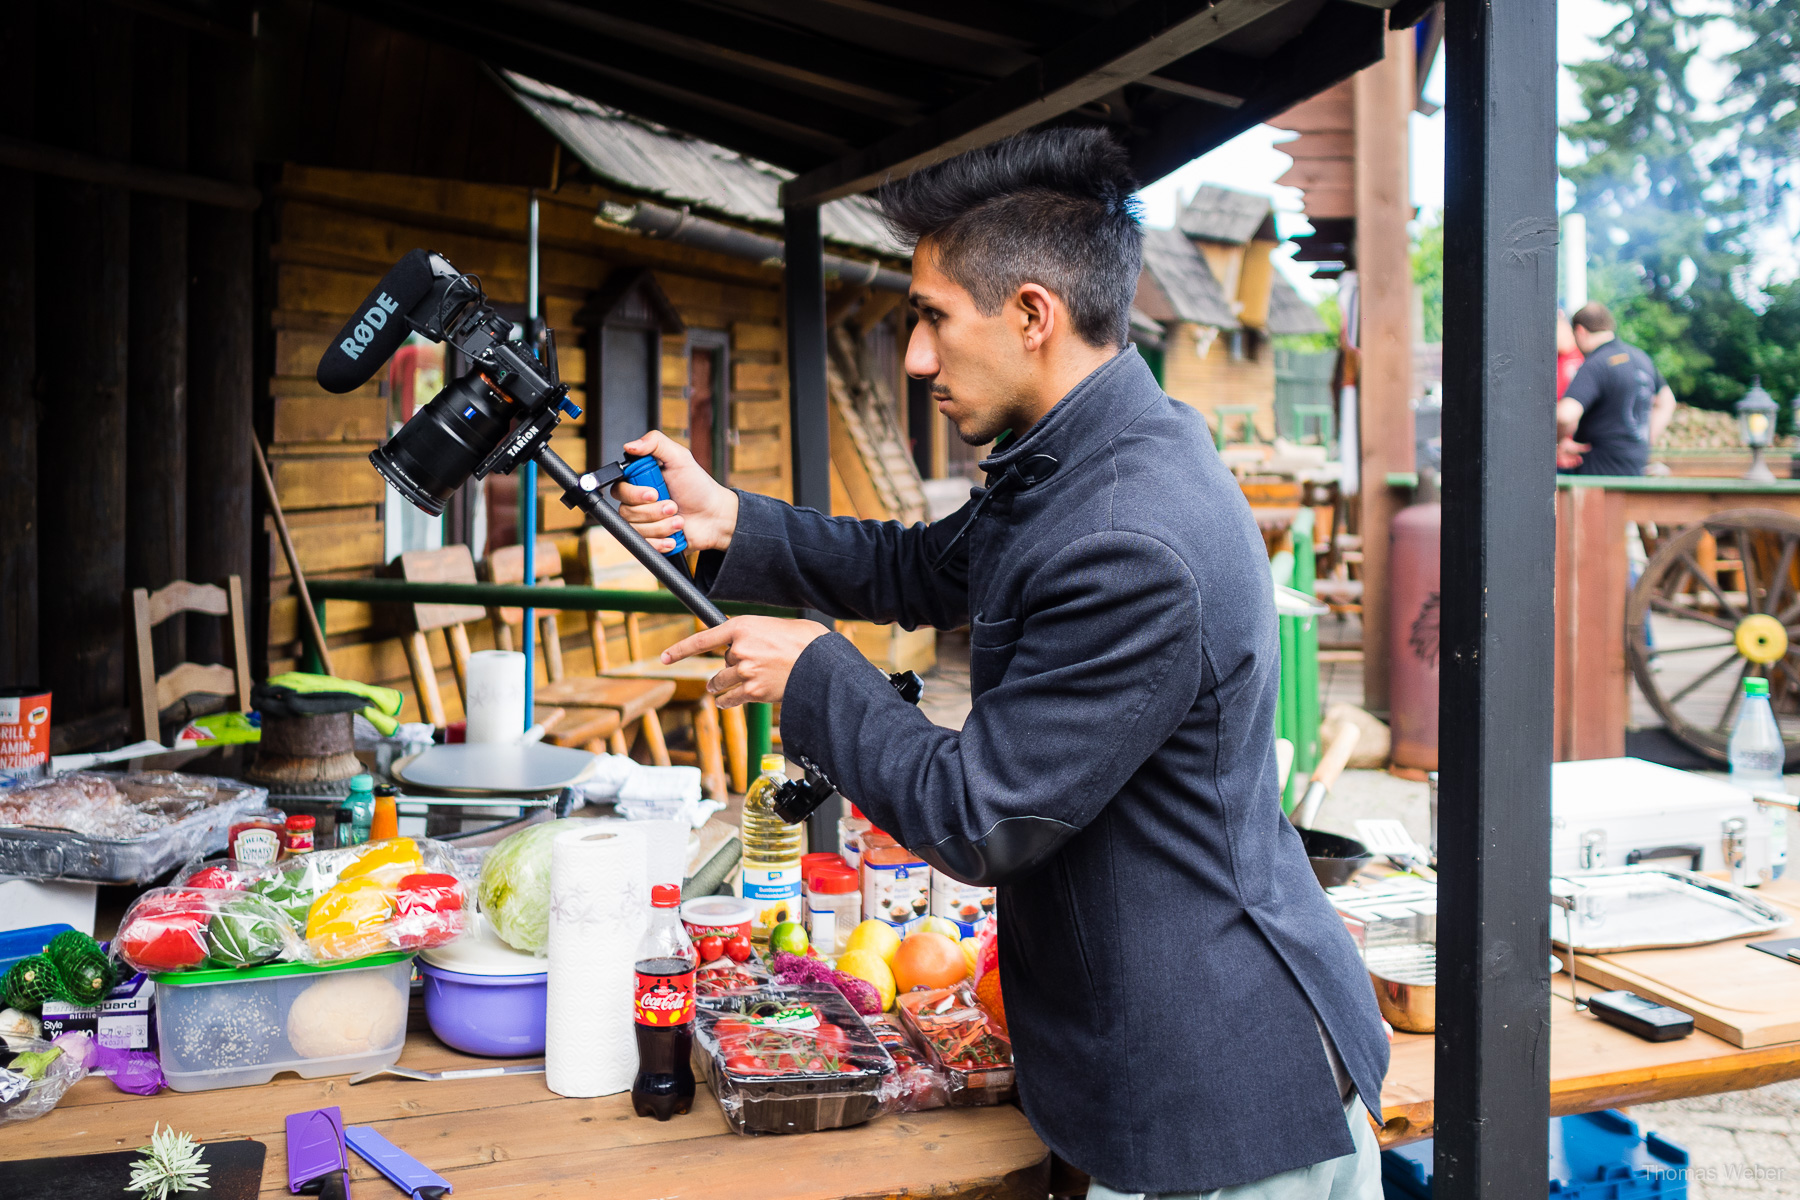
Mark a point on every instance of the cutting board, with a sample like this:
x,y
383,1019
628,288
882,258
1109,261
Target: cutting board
x,y
1748,998
236,1174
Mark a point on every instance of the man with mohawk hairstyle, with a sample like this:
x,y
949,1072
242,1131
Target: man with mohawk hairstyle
x,y
1188,1013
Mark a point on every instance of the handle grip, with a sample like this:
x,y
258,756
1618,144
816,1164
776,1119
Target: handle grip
x,y
644,472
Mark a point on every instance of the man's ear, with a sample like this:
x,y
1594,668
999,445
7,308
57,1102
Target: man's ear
x,y
1037,314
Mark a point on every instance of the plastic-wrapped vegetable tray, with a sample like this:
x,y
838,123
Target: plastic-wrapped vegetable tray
x,y
961,1041
102,827
792,1060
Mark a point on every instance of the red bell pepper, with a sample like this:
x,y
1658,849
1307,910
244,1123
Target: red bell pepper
x,y
427,911
167,932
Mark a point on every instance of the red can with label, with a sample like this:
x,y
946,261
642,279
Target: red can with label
x,y
24,734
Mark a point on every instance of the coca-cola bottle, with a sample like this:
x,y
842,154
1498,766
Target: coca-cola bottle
x,y
664,1086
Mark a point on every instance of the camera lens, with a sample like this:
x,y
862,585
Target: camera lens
x,y
435,452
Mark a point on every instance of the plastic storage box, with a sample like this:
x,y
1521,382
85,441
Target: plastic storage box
x,y
233,1028
1593,1156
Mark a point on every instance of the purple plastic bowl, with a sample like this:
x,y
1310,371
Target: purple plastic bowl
x,y
497,1016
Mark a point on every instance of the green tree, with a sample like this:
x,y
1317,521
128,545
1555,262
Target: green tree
x,y
1428,275
1666,213
1765,94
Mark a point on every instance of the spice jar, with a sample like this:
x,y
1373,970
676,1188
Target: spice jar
x,y
297,837
385,823
896,883
851,827
256,841
833,907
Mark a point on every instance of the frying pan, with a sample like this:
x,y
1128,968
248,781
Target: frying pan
x,y
1335,859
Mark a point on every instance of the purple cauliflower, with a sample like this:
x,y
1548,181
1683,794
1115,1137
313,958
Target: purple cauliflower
x,y
798,970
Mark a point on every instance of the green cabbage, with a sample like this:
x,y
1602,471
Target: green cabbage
x,y
515,885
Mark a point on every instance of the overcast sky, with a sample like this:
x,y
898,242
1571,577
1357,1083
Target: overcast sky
x,y
1253,160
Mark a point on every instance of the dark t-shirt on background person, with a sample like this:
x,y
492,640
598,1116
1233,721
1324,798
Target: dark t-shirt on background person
x,y
1616,388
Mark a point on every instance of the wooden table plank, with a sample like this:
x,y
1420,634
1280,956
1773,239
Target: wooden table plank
x,y
511,1135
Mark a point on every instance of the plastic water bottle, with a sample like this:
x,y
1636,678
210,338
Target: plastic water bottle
x,y
1757,756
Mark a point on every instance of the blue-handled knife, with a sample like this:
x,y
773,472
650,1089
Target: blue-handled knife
x,y
407,1173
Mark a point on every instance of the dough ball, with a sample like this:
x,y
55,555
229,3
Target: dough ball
x,y
347,1014
215,1028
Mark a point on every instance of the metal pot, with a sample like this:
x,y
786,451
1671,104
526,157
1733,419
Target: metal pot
x,y
1335,859
1405,979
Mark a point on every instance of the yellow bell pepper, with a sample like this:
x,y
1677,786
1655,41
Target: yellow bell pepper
x,y
351,920
389,861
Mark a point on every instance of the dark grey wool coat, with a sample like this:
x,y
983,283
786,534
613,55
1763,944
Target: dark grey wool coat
x,y
1164,958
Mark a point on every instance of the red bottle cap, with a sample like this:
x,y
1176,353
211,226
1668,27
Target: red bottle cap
x,y
666,895
301,821
829,880
818,858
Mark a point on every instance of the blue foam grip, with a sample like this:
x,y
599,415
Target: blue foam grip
x,y
645,473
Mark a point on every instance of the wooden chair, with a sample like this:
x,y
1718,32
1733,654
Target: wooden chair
x,y
455,564
720,735
157,692
634,701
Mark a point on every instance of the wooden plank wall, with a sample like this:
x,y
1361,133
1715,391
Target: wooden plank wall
x,y
1215,379
333,234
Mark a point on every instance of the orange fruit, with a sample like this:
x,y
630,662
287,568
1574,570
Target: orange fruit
x,y
929,960
987,993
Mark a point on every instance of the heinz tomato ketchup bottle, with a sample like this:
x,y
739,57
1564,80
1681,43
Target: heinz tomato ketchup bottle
x,y
664,1086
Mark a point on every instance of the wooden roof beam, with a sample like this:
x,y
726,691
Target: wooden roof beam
x,y
1140,41
782,143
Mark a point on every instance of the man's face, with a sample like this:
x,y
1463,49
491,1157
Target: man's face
x,y
975,364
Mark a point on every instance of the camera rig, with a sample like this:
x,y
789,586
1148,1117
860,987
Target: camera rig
x,y
501,414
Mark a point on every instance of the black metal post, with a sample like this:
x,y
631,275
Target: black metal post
x,y
808,407
1499,537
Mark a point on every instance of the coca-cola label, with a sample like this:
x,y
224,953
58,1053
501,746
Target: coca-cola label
x,y
664,999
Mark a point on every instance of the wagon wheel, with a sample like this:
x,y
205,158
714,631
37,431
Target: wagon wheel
x,y
1716,604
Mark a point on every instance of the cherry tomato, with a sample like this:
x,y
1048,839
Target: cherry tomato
x,y
711,947
738,948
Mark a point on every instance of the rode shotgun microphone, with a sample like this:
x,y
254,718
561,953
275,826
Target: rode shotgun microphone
x,y
377,328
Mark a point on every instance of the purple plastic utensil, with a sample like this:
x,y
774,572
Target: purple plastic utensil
x,y
318,1163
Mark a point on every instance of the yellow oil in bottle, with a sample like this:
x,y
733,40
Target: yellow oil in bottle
x,y
770,878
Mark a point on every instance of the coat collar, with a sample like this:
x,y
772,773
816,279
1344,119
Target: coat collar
x,y
1112,396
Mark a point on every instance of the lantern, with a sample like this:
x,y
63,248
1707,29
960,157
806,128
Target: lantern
x,y
1756,422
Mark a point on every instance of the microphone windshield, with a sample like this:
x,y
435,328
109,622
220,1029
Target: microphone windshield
x,y
372,334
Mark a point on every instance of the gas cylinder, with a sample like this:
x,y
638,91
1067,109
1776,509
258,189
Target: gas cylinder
x,y
1413,629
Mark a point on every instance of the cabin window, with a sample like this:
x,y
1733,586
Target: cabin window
x,y
709,401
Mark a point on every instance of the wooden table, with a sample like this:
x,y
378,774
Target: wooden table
x,y
512,1136
1593,576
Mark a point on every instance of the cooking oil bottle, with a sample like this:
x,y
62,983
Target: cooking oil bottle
x,y
770,878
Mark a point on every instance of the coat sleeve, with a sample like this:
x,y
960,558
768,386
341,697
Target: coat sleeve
x,y
862,570
1099,670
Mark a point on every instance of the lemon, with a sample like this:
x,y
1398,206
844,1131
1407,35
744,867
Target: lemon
x,y
789,936
969,947
943,925
872,969
876,936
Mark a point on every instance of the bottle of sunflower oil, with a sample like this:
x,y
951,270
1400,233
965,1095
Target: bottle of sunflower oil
x,y
770,878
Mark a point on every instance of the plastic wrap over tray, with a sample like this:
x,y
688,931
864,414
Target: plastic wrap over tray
x,y
793,1060
103,827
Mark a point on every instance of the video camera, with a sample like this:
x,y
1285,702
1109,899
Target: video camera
x,y
499,415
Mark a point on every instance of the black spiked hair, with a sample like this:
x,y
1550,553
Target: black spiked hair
x,y
1052,207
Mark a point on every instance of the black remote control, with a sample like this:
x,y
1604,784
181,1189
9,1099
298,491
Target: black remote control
x,y
1644,1018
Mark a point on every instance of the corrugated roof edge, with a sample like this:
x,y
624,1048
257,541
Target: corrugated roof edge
x,y
677,168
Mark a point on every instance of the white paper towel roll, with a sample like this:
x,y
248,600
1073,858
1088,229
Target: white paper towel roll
x,y
496,696
665,848
599,906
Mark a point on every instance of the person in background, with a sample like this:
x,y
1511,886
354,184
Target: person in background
x,y
1617,405
1568,361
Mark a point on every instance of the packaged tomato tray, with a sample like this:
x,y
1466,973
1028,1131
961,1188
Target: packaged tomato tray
x,y
962,1042
331,906
917,1084
792,1060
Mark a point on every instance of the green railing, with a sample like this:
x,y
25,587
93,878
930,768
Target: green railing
x,y
517,595
1297,716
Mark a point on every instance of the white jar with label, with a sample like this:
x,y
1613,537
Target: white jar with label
x,y
896,885
962,903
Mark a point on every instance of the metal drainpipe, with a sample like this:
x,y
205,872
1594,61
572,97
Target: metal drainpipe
x,y
683,228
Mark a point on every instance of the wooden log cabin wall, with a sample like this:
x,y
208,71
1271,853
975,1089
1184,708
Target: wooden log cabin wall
x,y
333,234
180,234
